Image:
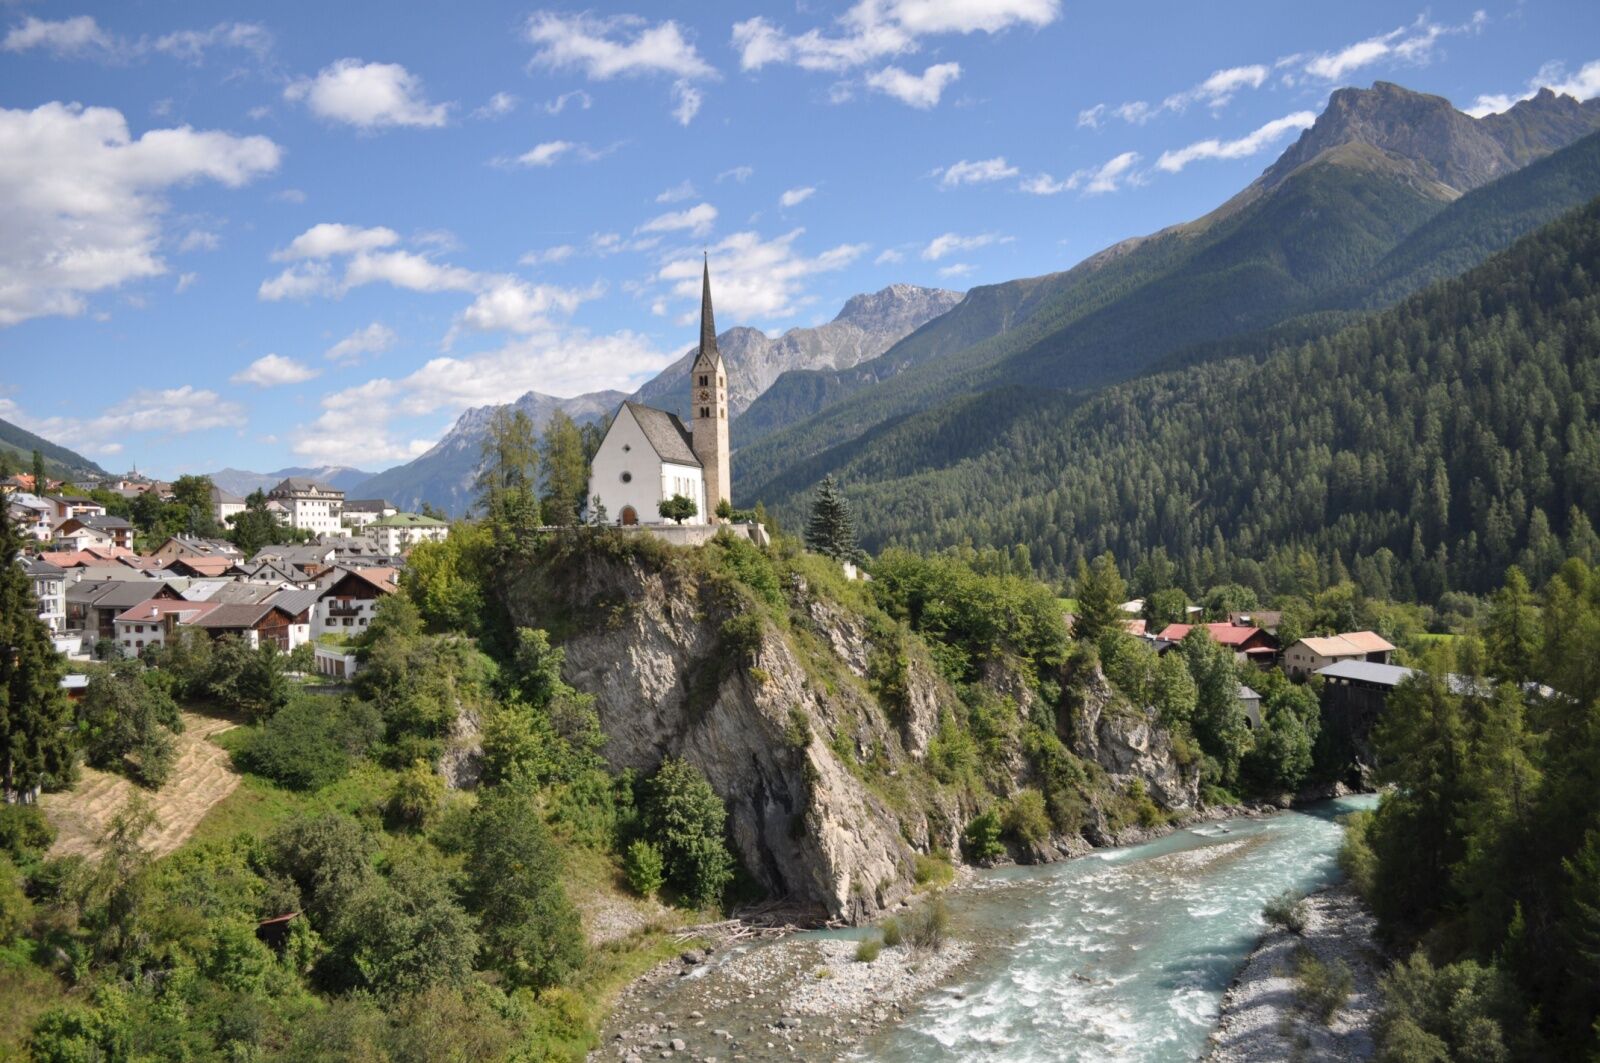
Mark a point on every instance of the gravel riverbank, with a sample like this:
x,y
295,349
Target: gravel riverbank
x,y
1264,1018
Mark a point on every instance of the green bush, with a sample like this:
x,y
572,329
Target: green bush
x,y
932,869
892,933
1026,819
925,927
869,949
686,818
415,798
1356,858
981,840
1321,988
24,832
645,868
16,911
1459,1011
301,746
1287,911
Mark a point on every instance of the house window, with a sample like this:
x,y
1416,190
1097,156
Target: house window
x,y
705,411
704,380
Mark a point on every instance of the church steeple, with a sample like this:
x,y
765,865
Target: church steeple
x,y
708,321
708,395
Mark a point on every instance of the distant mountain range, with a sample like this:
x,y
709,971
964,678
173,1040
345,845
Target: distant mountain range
x,y
19,444
1388,191
866,327
241,481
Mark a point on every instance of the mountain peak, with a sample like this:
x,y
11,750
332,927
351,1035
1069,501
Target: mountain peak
x,y
890,308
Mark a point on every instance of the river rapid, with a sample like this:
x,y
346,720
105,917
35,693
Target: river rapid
x,y
1120,955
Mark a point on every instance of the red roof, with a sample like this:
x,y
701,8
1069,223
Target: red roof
x,y
153,610
1222,634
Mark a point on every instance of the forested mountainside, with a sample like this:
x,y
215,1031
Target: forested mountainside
x,y
18,445
1425,448
1330,233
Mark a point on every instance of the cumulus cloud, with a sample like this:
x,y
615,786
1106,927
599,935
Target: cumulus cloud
x,y
558,253
972,173
879,29
199,240
82,37
545,154
1249,144
622,46
512,305
1091,180
949,243
921,91
795,196
153,411
1582,85
1214,92
755,278
1413,44
84,199
374,339
70,36
697,220
334,238
677,193
272,370
577,98
369,96
499,105
739,174
367,257
957,269
185,282
888,255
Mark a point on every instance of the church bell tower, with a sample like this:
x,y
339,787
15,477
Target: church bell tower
x,y
708,391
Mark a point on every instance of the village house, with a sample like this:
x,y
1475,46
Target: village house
x,y
349,601
50,588
1247,643
224,504
32,515
192,546
1310,654
396,534
254,625
648,456
64,507
307,504
360,512
94,605
151,622
90,529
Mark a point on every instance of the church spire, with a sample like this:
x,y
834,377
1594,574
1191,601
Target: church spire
x,y
708,323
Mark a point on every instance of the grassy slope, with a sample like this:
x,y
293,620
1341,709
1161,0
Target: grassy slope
x,y
21,443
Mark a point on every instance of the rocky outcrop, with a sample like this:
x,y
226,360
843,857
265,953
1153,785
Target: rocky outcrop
x,y
1129,744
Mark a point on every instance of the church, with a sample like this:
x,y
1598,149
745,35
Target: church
x,y
648,455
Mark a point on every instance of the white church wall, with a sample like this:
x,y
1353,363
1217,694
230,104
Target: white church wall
x,y
688,481
626,471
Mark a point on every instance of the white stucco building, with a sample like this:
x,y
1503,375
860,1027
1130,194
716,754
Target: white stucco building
x,y
648,456
310,505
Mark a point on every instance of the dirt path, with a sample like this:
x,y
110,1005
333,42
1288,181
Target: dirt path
x,y
202,776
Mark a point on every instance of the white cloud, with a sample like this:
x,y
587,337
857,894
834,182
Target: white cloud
x,y
1215,92
741,174
583,100
1043,185
499,105
512,305
1412,44
83,199
199,240
915,90
877,29
191,45
185,282
950,243
796,196
755,279
368,96
888,255
333,238
374,339
1583,85
289,195
558,253
413,272
688,100
71,36
272,370
165,411
1249,144
957,269
677,193
971,173
697,220
617,46
546,154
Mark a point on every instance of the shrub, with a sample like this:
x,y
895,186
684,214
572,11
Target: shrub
x,y
300,747
686,819
1321,988
981,839
24,832
401,934
1287,911
415,798
892,934
644,867
1459,1011
868,950
1026,819
1356,858
16,911
925,927
328,858
932,869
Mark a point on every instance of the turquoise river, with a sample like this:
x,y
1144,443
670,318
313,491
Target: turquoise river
x,y
1120,955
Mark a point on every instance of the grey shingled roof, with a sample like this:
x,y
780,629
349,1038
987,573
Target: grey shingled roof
x,y
366,505
1388,675
233,616
295,602
301,485
665,433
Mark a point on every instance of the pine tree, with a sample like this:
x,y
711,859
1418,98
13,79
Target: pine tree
x,y
566,469
35,716
1100,596
831,531
40,483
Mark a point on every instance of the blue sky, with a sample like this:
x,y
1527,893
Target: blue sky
x,y
264,235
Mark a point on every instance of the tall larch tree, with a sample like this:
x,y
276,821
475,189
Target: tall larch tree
x,y
566,469
35,715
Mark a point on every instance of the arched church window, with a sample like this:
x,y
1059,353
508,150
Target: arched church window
x,y
627,477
